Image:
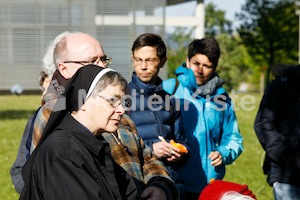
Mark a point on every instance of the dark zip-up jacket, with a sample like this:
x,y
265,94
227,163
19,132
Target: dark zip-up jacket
x,y
155,121
71,164
277,126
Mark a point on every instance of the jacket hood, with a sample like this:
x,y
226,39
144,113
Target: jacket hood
x,y
282,70
186,77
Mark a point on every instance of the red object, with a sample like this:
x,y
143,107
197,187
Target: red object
x,y
217,188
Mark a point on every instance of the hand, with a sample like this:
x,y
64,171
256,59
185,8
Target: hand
x,y
153,193
165,149
216,158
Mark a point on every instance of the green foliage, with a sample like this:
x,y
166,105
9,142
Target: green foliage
x,y
247,169
233,63
14,113
215,22
269,30
176,56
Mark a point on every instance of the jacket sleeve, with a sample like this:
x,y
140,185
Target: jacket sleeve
x,y
155,174
267,121
16,169
231,143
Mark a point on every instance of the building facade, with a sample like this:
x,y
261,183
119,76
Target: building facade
x,y
28,26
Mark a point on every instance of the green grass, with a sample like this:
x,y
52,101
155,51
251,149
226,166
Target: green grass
x,y
15,110
14,113
247,169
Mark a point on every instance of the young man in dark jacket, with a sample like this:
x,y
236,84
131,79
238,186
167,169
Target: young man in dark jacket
x,y
152,111
277,127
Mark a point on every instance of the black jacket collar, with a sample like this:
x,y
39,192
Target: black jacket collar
x,y
91,142
148,88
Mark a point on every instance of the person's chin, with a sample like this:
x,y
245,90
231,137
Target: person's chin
x,y
201,81
144,78
112,128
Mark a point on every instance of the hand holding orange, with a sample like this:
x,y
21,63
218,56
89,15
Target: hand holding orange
x,y
181,147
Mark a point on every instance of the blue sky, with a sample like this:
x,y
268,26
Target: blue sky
x,y
187,9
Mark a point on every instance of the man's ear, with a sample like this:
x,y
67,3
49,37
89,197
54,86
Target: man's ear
x,y
162,62
63,70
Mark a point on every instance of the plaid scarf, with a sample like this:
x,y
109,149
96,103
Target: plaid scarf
x,y
137,159
57,84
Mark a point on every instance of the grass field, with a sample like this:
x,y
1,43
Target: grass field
x,y
15,110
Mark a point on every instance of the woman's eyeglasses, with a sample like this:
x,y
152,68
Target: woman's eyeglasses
x,y
114,101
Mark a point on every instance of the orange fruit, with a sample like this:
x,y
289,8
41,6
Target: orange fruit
x,y
181,147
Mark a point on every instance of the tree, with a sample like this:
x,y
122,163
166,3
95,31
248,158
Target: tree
x,y
215,21
178,52
233,63
269,30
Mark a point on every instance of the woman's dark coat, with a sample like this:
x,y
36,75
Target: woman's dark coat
x,y
74,164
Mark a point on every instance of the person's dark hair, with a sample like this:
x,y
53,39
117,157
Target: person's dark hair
x,y
153,40
206,46
43,76
110,78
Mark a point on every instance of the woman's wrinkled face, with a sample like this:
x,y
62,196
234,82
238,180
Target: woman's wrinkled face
x,y
105,110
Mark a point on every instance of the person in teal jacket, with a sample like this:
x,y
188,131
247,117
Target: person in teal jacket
x,y
208,116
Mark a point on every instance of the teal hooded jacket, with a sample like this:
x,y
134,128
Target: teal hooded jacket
x,y
210,125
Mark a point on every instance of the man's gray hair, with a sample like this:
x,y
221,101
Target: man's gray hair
x,y
48,62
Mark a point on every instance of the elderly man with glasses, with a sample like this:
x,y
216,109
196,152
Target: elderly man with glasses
x,y
70,53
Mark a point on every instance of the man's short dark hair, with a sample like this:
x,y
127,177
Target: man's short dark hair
x,y
206,46
153,40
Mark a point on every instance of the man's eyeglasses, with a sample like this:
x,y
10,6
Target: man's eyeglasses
x,y
104,59
148,61
114,101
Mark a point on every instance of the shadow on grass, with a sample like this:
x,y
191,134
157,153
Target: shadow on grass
x,y
16,114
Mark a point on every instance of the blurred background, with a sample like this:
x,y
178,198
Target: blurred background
x,y
253,34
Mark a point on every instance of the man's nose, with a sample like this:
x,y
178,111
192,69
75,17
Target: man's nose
x,y
144,65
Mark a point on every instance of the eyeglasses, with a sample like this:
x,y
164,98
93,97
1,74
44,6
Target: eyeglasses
x,y
148,61
104,59
114,101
